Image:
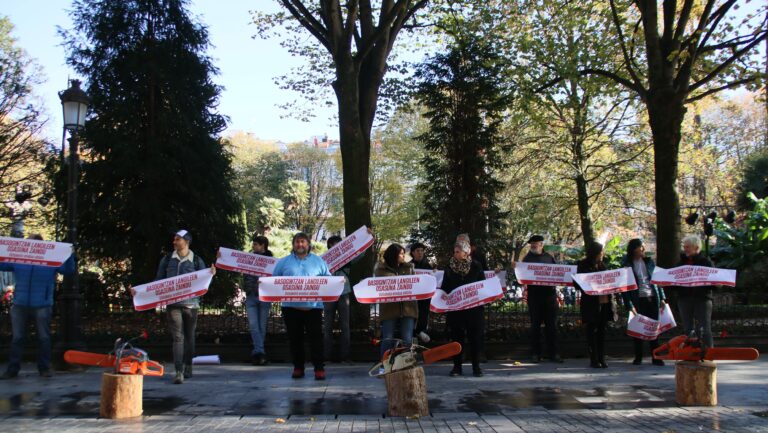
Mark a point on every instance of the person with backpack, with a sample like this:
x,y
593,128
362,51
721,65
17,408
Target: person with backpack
x,y
182,316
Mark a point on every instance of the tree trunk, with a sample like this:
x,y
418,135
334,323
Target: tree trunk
x,y
582,195
355,158
121,395
407,393
696,383
666,112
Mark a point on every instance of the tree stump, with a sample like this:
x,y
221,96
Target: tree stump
x,y
696,383
407,393
121,395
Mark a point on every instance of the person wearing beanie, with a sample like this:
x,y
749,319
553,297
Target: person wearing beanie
x,y
182,316
419,261
648,299
303,318
542,304
597,310
463,270
258,311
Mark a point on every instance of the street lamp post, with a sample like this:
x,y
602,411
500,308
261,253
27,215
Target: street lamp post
x,y
74,102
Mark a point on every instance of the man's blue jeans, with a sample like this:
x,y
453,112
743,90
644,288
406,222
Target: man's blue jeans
x,y
20,318
388,332
258,313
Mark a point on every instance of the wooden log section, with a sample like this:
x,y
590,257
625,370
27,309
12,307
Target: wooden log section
x,y
121,395
407,393
696,383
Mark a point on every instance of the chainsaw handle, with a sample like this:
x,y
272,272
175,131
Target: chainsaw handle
x,y
152,368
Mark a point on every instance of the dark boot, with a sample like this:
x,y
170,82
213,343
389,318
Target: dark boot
x,y
601,354
638,343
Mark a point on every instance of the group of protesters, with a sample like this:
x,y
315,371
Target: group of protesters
x,y
314,321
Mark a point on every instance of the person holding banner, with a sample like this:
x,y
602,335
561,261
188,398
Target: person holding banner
x,y
182,316
33,301
419,261
542,304
258,311
695,303
396,314
648,299
596,311
340,307
463,270
303,317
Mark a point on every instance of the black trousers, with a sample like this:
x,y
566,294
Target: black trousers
x,y
596,333
297,323
543,310
470,324
646,307
423,320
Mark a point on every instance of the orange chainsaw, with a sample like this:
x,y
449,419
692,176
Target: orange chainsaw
x,y
125,359
682,348
402,357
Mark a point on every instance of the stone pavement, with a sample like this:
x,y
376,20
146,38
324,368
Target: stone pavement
x,y
510,398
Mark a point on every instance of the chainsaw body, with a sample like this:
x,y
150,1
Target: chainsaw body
x,y
402,358
125,359
682,348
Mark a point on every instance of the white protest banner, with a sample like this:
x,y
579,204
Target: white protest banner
x,y
349,248
666,319
247,263
606,282
642,327
694,276
544,274
380,290
171,290
300,289
645,328
34,252
502,276
467,296
438,274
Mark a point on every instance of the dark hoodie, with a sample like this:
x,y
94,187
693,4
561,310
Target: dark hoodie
x,y
702,292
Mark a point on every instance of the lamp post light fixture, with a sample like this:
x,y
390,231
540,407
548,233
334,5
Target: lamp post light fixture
x,y
74,102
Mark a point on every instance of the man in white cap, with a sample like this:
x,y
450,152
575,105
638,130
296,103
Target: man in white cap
x,y
182,316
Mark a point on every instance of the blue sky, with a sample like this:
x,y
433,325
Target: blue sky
x,y
247,65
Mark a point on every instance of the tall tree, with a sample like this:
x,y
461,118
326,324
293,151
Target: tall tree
x,y
673,54
23,151
358,35
465,104
154,162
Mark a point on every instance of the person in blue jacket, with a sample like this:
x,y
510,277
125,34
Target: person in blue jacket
x,y
301,317
33,301
648,299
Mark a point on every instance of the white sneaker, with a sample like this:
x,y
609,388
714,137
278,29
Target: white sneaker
x,y
381,371
423,337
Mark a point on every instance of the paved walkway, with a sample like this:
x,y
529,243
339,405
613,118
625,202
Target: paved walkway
x,y
510,398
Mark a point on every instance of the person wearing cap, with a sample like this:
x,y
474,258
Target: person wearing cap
x,y
303,317
648,299
462,270
419,261
182,316
542,304
33,302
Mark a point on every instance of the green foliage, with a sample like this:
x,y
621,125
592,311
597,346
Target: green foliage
x,y
154,163
270,214
754,181
465,103
257,178
741,246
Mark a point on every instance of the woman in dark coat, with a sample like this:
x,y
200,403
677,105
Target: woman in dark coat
x,y
648,299
695,303
471,322
596,311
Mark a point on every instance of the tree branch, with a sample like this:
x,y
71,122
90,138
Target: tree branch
x,y
305,17
726,63
721,88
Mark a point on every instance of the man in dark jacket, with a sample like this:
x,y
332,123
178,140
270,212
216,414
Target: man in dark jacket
x,y
33,301
542,304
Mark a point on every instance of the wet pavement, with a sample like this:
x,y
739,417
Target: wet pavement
x,y
509,398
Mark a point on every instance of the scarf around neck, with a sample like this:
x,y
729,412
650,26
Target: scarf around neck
x,y
460,267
